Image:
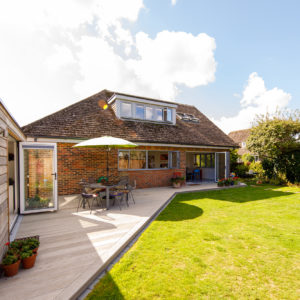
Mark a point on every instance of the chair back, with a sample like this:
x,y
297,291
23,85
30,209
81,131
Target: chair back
x,y
123,181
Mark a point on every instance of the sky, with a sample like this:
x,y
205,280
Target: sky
x,y
231,59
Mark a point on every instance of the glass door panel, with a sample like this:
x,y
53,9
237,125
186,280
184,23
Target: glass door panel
x,y
38,192
220,165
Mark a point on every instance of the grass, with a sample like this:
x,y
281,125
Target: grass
x,y
228,244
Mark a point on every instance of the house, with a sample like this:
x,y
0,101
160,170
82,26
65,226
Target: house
x,y
171,138
10,135
39,165
240,137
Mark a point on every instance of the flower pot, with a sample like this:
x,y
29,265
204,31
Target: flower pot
x,y
35,250
176,185
11,270
29,262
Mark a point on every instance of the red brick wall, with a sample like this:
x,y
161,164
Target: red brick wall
x,y
75,164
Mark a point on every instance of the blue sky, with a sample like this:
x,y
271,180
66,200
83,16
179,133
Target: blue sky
x,y
231,59
251,36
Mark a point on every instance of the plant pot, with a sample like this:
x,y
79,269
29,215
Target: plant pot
x,y
35,250
176,185
11,270
29,262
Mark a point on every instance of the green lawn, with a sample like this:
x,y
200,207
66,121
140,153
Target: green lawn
x,y
229,244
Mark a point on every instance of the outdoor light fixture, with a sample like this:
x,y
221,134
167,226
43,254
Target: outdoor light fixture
x,y
103,104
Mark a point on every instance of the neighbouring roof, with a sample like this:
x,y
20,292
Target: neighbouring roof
x,y
85,119
239,136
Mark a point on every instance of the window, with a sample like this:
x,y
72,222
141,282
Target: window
x,y
137,159
145,112
139,111
158,159
167,115
206,160
126,110
159,114
175,160
123,160
243,144
149,113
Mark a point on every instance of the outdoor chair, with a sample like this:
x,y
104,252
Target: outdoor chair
x,y
128,191
99,200
197,174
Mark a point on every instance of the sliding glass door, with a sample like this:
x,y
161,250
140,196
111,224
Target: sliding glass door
x,y
38,169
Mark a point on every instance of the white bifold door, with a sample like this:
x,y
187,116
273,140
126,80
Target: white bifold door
x,y
38,177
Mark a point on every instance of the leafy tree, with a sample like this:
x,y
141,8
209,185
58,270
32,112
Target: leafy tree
x,y
234,156
273,136
277,142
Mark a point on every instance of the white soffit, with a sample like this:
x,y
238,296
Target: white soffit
x,y
141,100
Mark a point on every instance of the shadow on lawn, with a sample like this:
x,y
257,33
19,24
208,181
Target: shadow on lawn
x,y
238,195
179,209
183,211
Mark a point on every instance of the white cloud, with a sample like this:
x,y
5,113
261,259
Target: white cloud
x,y
173,2
54,53
256,99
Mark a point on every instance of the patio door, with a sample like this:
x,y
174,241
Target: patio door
x,y
220,165
38,177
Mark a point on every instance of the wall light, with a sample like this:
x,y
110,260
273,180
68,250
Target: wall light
x,y
103,104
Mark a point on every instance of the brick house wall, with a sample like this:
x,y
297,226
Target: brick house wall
x,y
75,164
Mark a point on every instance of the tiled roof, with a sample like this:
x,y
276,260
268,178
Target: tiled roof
x,y
85,119
239,136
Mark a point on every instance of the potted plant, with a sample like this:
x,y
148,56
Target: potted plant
x,y
227,182
177,181
32,244
235,180
221,182
10,264
28,258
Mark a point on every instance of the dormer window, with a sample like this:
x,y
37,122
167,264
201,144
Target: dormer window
x,y
145,112
149,113
139,112
126,110
133,108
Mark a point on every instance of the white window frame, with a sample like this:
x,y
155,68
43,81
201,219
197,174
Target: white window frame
x,y
154,112
30,145
150,169
132,109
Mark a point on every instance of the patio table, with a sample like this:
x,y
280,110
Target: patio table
x,y
102,186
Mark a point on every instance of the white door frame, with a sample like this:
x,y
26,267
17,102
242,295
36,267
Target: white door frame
x,y
21,163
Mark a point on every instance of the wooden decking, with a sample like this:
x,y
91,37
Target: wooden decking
x,y
74,246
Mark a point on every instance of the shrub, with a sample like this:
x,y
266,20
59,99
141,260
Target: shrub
x,y
257,168
242,170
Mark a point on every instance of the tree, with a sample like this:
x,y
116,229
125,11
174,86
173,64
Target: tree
x,y
273,136
277,142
